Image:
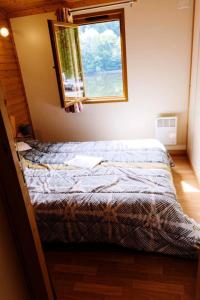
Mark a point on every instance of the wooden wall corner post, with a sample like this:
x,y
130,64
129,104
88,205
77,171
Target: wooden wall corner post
x,y
20,214
197,296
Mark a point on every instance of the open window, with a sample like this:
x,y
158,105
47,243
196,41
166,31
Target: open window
x,y
90,58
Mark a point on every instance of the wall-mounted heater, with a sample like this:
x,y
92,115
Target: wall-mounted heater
x,y
166,130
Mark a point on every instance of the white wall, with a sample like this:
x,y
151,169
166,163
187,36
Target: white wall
x,y
158,39
194,117
12,284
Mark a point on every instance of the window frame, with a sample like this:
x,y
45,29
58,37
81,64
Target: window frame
x,y
108,16
84,19
65,101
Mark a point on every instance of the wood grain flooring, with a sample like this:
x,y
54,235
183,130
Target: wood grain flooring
x,y
92,273
187,187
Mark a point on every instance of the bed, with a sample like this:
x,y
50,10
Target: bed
x,y
128,199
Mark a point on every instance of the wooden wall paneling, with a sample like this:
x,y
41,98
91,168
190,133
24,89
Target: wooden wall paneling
x,y
11,78
13,125
2,13
15,5
25,112
37,10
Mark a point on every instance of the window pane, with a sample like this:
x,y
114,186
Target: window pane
x,y
101,57
70,61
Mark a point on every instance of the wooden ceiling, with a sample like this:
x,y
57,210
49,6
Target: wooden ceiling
x,y
14,8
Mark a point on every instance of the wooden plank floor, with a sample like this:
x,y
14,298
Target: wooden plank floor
x,y
187,187
122,274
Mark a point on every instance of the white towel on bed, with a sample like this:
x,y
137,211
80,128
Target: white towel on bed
x,y
83,161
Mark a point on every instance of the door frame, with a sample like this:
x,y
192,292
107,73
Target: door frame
x,y
20,214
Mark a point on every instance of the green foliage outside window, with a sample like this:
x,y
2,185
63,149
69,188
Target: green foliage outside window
x,y
100,47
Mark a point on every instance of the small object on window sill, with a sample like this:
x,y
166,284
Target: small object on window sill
x,y
72,102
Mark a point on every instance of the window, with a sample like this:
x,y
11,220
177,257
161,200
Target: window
x,y
90,58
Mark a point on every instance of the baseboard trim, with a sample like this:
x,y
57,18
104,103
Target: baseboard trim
x,y
177,147
197,175
178,152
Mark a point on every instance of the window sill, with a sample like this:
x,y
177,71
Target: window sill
x,y
105,100
96,100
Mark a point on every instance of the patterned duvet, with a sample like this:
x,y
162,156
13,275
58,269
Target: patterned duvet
x,y
129,199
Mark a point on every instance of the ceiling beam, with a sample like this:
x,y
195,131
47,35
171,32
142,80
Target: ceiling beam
x,y
39,9
84,3
3,13
44,8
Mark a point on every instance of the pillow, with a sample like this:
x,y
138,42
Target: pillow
x,y
21,146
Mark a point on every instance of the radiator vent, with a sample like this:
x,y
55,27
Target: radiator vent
x,y
166,130
166,122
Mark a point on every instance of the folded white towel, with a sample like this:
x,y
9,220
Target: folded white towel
x,y
83,161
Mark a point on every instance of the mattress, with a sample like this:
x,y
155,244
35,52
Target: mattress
x,y
128,199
